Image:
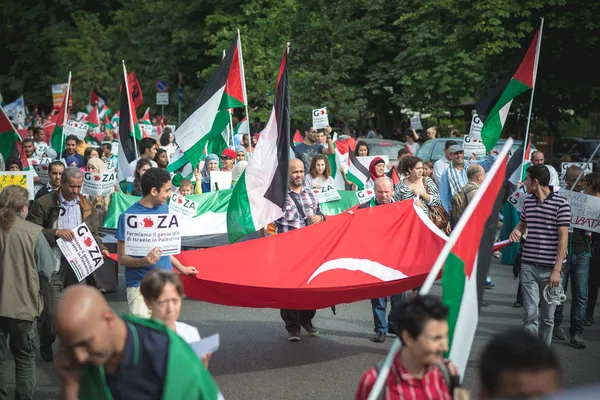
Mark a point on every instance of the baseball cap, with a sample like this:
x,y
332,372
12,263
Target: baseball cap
x,y
228,153
455,149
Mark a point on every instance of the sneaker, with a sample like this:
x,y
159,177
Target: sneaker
x,y
516,304
558,333
489,283
496,254
310,329
391,332
589,321
294,337
379,337
46,353
577,341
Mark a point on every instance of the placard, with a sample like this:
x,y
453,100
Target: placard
x,y
143,232
146,130
585,210
98,184
42,172
183,206
326,194
473,146
415,123
476,126
82,253
589,168
366,195
78,129
58,94
518,198
220,180
320,118
111,165
40,148
18,178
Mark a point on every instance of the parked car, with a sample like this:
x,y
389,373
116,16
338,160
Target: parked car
x,y
580,150
381,147
433,150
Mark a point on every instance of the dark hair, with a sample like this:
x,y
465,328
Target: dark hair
x,y
409,163
313,166
593,182
145,144
72,137
403,152
54,164
539,172
413,315
362,143
13,160
87,153
306,127
514,350
154,283
27,140
449,143
137,179
36,130
429,164
164,138
158,153
106,144
154,178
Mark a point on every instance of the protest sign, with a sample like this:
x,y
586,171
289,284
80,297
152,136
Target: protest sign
x,y
565,166
320,118
326,194
585,210
78,129
114,148
143,232
476,125
517,198
220,180
98,184
42,172
82,253
111,165
40,148
185,207
206,346
415,123
18,178
366,160
58,94
365,195
146,130
473,146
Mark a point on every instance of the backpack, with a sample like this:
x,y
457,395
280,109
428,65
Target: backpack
x,y
459,204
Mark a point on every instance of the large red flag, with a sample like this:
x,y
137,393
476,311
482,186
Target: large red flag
x,y
134,89
367,253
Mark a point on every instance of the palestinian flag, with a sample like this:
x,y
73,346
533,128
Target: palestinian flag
x,y
339,160
9,138
260,194
517,166
107,124
357,173
493,110
95,99
114,121
145,125
210,113
217,144
128,129
135,90
62,117
242,127
459,259
298,137
93,119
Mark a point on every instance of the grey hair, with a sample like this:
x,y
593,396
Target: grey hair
x,y
474,170
70,172
382,179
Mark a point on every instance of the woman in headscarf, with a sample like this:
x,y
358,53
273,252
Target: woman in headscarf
x,y
240,154
13,164
210,164
376,170
90,152
237,171
72,161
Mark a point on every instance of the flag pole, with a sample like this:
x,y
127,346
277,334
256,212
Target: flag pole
x,y
244,89
535,68
65,115
137,155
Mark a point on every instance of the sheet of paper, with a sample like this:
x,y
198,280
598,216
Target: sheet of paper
x,y
207,345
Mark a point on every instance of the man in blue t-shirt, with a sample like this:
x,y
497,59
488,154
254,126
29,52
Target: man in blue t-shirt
x,y
310,148
156,189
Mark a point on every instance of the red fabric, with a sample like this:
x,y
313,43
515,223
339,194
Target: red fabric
x,y
274,272
135,91
374,162
23,133
395,177
525,71
401,385
346,145
234,83
92,117
298,137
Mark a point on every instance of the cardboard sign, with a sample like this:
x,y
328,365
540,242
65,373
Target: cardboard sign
x,y
320,118
143,232
565,166
473,146
518,198
415,123
364,196
42,172
78,129
98,184
180,205
476,126
585,210
326,194
114,148
40,148
366,161
146,130
18,178
82,253
58,94
111,165
220,180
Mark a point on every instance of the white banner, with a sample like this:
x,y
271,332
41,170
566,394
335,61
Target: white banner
x,y
326,194
320,118
78,129
42,172
473,146
365,195
82,253
585,210
476,125
143,232
98,184
179,205
111,165
415,123
220,180
565,166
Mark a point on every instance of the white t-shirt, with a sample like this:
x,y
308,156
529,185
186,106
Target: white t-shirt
x,y
187,332
131,169
413,148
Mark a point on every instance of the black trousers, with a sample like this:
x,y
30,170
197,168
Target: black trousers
x,y
295,318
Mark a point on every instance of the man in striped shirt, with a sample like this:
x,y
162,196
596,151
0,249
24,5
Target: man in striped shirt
x,y
415,373
545,218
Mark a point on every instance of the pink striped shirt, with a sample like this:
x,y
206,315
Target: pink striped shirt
x,y
401,385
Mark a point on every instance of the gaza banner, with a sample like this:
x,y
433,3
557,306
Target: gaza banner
x,y
98,184
182,206
211,212
144,232
78,129
82,253
326,194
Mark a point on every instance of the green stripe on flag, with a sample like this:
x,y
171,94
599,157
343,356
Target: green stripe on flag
x,y
239,215
228,101
195,153
453,287
352,178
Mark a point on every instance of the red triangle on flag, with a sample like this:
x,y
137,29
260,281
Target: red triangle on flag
x,y
525,72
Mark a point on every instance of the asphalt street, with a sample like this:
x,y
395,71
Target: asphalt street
x,y
256,361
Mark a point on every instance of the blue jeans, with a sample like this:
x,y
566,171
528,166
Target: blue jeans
x,y
379,307
578,268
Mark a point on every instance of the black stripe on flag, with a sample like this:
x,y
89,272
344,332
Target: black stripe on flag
x,y
125,131
277,191
358,165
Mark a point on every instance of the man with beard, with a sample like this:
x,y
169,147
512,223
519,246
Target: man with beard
x,y
310,147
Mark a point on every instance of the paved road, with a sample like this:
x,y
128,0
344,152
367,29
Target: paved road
x,y
256,361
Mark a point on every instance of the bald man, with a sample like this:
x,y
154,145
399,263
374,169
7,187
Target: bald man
x,y
106,356
301,209
538,158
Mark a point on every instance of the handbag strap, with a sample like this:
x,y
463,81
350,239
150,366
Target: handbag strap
x,y
299,208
